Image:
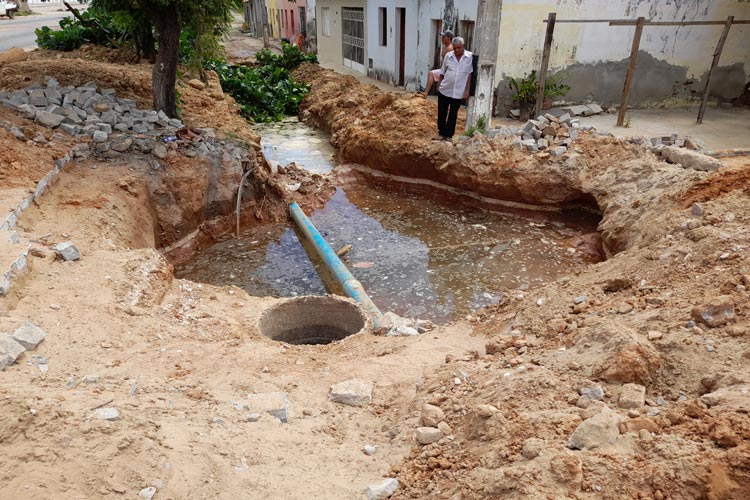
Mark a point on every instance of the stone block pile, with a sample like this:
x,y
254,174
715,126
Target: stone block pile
x,y
86,111
25,338
549,133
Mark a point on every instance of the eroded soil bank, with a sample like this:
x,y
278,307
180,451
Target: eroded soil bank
x,y
638,318
178,359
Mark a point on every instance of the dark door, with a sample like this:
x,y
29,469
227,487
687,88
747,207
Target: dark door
x,y
401,14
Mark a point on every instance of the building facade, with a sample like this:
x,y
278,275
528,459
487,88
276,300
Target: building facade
x,y
342,33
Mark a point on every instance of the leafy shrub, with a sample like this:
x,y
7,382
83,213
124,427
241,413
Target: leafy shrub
x,y
100,29
527,87
267,92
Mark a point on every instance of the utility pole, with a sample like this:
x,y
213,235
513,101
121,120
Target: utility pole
x,y
487,34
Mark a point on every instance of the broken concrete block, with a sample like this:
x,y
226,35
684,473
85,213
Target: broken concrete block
x,y
558,150
594,109
10,348
99,136
386,489
69,128
29,335
38,99
121,144
273,403
354,392
577,110
67,251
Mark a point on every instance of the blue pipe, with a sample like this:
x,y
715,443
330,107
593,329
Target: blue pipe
x,y
352,287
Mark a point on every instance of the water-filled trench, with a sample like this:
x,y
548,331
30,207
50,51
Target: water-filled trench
x,y
416,254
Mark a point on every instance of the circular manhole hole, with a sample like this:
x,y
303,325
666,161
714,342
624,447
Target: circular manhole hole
x,y
312,320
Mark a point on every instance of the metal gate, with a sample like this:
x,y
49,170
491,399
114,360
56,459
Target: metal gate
x,y
353,37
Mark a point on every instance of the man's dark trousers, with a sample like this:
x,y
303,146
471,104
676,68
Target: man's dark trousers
x,y
447,115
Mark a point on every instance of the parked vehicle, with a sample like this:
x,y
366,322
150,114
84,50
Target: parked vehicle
x,y
8,9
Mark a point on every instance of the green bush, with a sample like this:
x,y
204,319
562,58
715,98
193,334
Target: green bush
x,y
267,92
527,87
72,33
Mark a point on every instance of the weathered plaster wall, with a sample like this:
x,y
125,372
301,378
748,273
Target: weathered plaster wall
x,y
450,13
330,48
593,57
385,58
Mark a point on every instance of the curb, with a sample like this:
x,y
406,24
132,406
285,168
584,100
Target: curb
x,y
20,264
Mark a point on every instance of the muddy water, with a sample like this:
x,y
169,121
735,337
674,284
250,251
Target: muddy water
x,y
414,254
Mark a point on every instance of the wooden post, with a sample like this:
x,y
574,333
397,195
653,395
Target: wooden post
x,y
631,69
714,63
545,63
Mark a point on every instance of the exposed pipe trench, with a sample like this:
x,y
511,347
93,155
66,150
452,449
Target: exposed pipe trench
x,y
239,197
351,286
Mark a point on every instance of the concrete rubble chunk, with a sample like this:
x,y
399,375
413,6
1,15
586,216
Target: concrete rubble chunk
x,y
715,312
49,120
160,151
10,350
111,414
122,144
354,392
67,251
29,335
600,430
428,435
431,415
386,489
632,396
690,159
37,98
273,403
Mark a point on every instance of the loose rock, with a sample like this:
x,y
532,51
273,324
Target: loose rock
x,y
67,251
428,435
110,414
354,392
532,447
431,415
383,490
600,430
29,335
632,396
716,312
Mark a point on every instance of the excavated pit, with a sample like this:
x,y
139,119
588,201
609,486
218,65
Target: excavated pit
x,y
312,321
419,250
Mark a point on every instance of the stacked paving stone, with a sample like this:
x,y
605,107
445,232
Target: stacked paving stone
x,y
548,133
87,111
25,338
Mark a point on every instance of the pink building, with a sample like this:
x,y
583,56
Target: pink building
x,y
287,18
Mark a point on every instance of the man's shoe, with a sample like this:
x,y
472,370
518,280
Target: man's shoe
x,y
438,138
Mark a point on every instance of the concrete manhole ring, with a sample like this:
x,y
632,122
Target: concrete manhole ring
x,y
312,320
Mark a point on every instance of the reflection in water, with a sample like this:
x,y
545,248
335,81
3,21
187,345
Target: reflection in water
x,y
291,141
414,256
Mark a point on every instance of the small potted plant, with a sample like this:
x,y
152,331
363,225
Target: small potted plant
x,y
527,87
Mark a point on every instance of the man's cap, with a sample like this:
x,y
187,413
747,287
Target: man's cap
x,y
447,33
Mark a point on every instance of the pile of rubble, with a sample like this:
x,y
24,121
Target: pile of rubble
x,y
550,134
112,125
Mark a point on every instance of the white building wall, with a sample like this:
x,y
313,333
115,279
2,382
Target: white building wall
x,y
384,59
330,48
593,56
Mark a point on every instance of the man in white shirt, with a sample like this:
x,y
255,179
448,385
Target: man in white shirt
x,y
455,81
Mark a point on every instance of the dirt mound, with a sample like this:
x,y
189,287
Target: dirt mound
x,y
724,181
89,53
201,108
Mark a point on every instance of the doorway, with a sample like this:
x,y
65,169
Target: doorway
x,y
353,37
400,43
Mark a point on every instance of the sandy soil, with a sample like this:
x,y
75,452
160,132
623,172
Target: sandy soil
x,y
178,359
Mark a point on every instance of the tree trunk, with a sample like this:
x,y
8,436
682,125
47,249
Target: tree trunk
x,y
23,6
168,27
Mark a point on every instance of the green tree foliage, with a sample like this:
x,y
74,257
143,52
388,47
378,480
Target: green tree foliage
x,y
266,92
99,27
169,18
